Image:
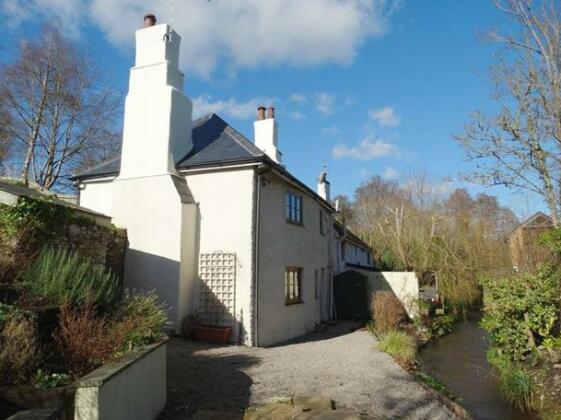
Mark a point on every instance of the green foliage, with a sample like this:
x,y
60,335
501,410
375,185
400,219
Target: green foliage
x,y
516,384
520,307
552,238
399,345
388,261
4,312
442,325
144,317
61,276
552,343
40,216
435,384
46,380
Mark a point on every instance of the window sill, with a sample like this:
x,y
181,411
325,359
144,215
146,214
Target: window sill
x,y
293,303
292,222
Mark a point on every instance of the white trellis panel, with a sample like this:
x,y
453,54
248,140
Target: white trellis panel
x,y
217,288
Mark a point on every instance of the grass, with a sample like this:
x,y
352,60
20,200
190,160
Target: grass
x,y
517,387
399,345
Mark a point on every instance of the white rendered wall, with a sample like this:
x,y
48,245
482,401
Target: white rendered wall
x,y
152,212
97,196
147,202
158,116
124,390
281,245
225,224
355,254
404,284
266,137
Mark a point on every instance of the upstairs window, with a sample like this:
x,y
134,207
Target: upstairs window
x,y
293,285
321,222
293,208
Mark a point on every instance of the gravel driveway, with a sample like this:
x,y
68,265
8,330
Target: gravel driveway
x,y
338,364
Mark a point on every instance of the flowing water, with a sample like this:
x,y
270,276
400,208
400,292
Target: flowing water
x,y
458,360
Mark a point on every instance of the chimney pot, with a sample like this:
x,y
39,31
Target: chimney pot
x,y
149,20
261,113
271,112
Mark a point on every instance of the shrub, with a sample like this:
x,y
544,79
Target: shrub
x,y
442,325
387,311
516,384
142,318
85,339
46,380
61,276
520,311
399,345
19,349
517,387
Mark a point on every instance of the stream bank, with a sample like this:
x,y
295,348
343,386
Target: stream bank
x,y
459,361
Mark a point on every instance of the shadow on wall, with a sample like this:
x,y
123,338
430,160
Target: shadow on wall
x,y
215,308
353,291
205,377
151,272
144,271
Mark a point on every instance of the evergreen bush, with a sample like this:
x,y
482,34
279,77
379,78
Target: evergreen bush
x,y
60,276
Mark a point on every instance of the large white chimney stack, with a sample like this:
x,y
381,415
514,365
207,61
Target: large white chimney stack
x,y
158,116
266,133
324,188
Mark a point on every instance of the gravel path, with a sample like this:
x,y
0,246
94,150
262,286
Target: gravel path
x,y
344,367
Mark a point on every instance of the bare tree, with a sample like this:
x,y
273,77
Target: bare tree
x,y
520,146
62,110
5,138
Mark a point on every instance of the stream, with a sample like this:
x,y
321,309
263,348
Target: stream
x,y
458,360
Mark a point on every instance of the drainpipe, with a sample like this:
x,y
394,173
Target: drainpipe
x,y
261,169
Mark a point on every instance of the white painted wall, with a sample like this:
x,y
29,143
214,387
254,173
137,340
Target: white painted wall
x,y
124,391
225,201
97,195
404,284
148,199
158,116
266,137
152,212
355,254
282,244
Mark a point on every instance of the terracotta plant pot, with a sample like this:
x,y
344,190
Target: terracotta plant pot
x,y
212,334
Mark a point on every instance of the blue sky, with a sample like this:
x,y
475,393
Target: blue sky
x,y
364,87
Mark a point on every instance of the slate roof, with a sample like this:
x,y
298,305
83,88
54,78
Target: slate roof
x,y
214,142
342,231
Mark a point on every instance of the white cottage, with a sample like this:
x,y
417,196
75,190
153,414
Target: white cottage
x,y
216,224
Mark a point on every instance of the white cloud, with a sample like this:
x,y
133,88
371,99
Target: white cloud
x,y
298,98
385,117
390,173
226,33
368,149
296,115
365,173
231,107
332,130
325,102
